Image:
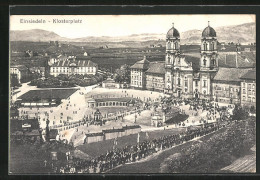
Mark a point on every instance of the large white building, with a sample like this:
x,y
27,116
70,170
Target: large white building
x,y
69,66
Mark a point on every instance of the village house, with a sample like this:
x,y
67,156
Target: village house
x,y
20,72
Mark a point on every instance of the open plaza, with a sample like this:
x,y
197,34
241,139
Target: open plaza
x,y
74,116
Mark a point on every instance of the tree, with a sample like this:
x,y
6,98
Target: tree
x,y
47,130
122,74
239,113
252,109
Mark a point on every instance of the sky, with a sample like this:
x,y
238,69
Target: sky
x,y
122,25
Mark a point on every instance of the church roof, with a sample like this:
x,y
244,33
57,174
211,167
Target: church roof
x,y
157,67
209,32
229,74
194,60
173,33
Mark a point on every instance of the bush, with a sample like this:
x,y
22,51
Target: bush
x,y
217,151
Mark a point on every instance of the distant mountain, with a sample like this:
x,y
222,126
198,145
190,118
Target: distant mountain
x,y
35,35
245,33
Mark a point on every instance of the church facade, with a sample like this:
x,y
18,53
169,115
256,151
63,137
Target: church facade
x,y
182,76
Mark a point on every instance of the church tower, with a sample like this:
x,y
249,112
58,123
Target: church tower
x,y
208,60
172,50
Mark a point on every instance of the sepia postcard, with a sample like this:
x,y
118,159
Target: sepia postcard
x,y
120,94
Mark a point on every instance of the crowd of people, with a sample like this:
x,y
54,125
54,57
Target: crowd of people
x,y
129,154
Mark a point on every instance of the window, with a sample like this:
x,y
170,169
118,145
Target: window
x,y
196,83
186,89
244,98
213,45
169,45
213,61
231,89
176,45
169,60
204,92
205,46
243,84
179,81
204,62
244,91
204,83
186,83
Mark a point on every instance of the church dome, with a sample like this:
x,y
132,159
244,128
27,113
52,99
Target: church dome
x,y
173,33
209,32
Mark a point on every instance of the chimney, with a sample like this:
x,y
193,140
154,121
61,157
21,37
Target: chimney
x,y
208,23
173,25
144,57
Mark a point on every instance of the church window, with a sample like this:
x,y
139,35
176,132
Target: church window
x,y
176,45
186,83
213,61
169,45
213,46
204,62
179,81
204,83
205,46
